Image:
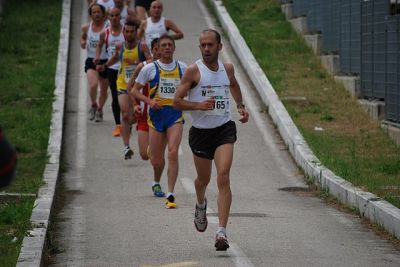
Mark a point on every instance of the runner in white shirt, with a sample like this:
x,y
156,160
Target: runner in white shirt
x,y
207,83
165,122
108,4
125,11
108,39
89,38
156,25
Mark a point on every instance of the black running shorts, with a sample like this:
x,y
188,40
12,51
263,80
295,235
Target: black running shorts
x,y
204,142
89,65
144,3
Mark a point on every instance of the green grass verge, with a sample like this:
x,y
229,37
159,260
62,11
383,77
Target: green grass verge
x,y
14,221
351,145
29,34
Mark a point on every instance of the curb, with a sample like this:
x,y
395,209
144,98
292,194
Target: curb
x,y
369,205
34,243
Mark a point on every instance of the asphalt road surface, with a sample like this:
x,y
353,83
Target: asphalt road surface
x,y
107,215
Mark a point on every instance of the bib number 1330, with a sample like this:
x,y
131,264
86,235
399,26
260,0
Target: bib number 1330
x,y
168,87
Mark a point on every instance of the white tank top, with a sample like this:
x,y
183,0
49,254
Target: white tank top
x,y
124,14
212,84
108,4
154,30
111,40
92,40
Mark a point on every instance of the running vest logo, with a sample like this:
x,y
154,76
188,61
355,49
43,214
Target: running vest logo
x,y
168,74
93,43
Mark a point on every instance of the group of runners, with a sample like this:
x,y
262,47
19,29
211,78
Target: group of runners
x,y
134,55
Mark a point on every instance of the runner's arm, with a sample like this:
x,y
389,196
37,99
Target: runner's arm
x,y
83,38
236,93
112,60
145,50
170,25
189,80
141,30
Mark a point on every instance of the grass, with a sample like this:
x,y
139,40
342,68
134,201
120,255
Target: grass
x,y
14,221
350,144
29,34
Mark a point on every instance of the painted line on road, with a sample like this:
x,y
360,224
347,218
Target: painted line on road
x,y
239,258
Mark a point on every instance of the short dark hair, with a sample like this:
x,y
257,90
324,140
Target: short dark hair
x,y
166,36
217,35
131,22
103,9
154,42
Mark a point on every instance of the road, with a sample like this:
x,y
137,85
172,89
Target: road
x,y
107,216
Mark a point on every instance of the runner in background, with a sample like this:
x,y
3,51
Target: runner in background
x,y
141,107
130,54
108,38
166,123
157,25
90,36
142,8
125,11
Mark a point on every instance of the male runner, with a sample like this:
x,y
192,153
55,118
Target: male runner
x,y
165,122
141,108
157,25
207,83
90,36
130,53
109,37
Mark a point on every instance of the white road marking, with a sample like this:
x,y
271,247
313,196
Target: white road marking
x,y
239,258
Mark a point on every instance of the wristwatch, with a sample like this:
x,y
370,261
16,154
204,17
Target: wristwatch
x,y
240,105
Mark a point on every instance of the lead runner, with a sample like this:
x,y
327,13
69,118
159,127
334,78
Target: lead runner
x,y
207,83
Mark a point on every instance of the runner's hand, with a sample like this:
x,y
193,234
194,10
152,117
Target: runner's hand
x,y
137,109
244,115
207,104
100,68
154,104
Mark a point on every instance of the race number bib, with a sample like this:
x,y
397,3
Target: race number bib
x,y
129,70
221,97
111,50
93,43
168,87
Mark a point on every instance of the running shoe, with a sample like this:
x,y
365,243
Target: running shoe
x,y
117,130
128,152
92,113
221,243
157,192
200,218
170,202
99,116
